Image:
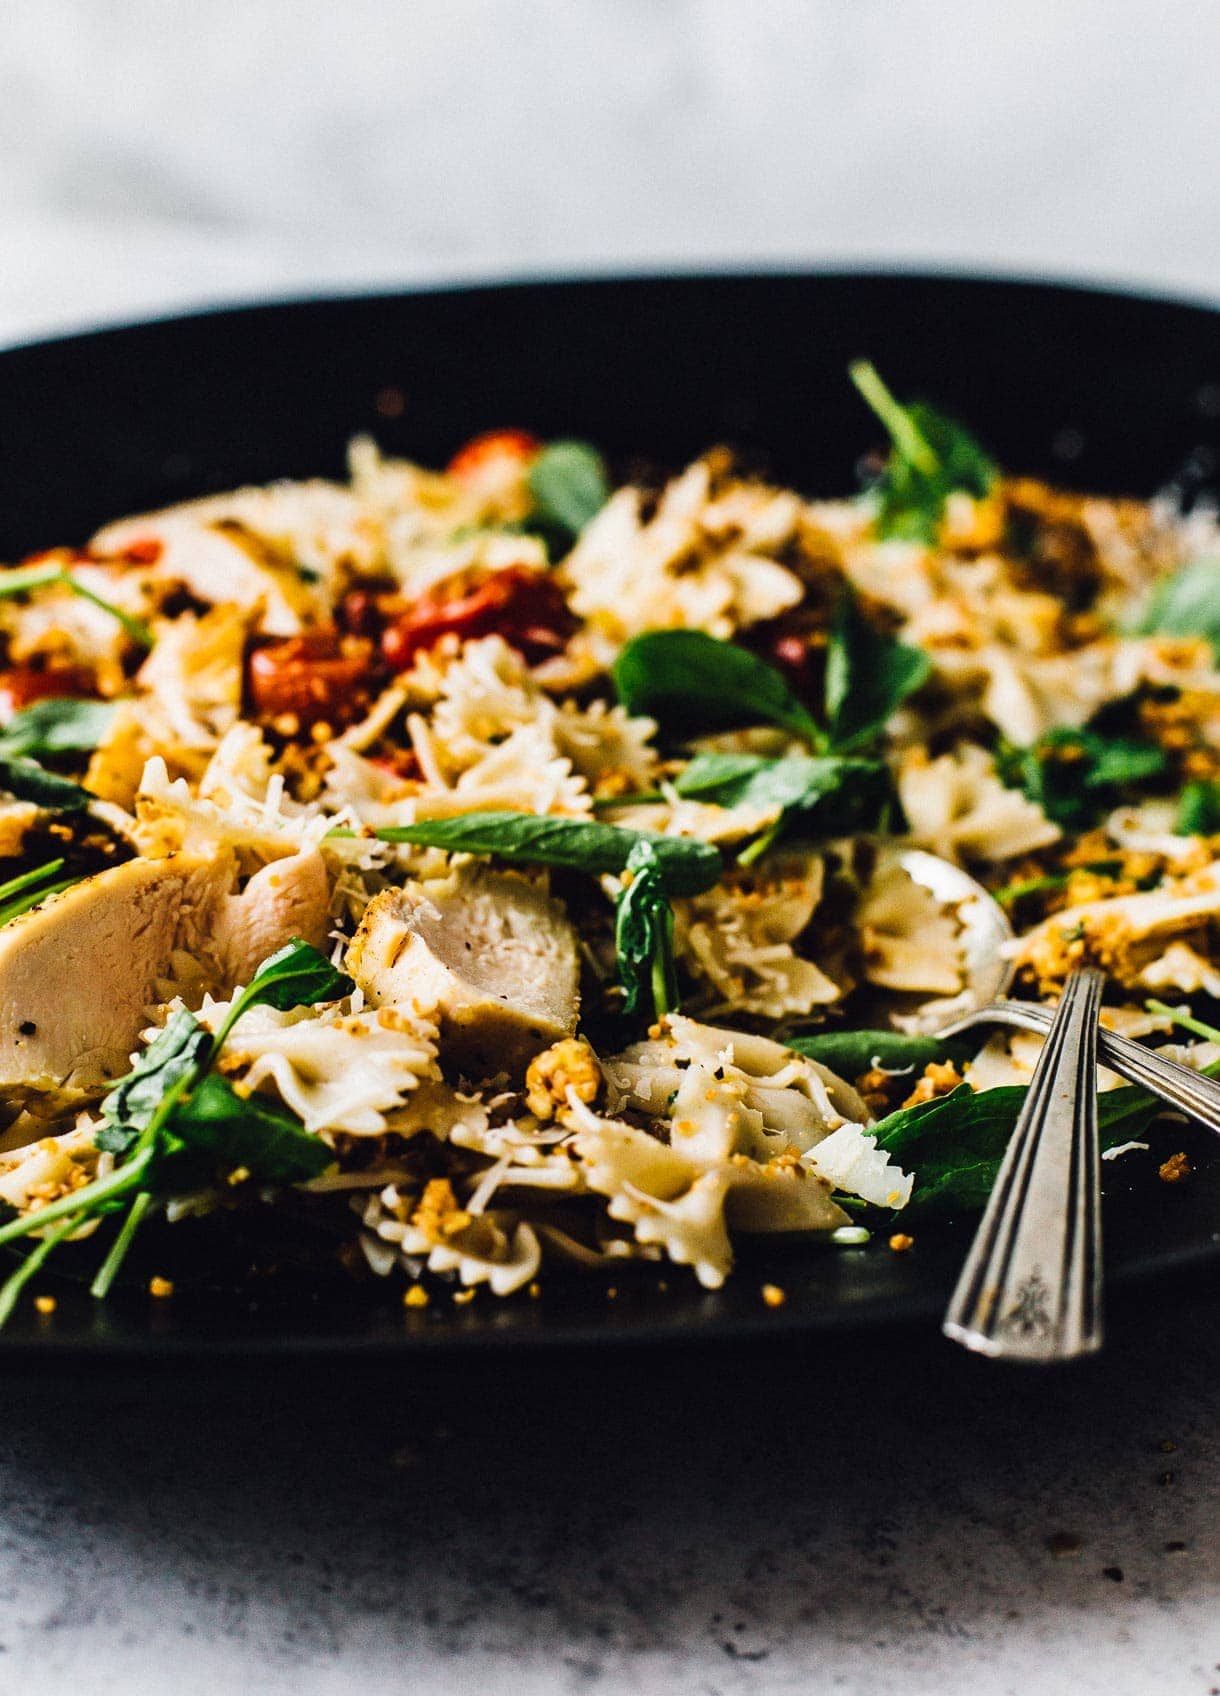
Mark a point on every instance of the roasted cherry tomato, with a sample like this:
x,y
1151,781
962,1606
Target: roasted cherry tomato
x,y
517,447
524,605
320,678
22,685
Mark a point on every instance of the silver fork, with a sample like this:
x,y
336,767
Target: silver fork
x,y
1177,1085
1031,1286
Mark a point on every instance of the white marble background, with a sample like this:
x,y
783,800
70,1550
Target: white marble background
x,y
156,154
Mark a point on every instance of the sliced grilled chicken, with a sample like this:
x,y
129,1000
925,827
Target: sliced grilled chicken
x,y
487,955
80,975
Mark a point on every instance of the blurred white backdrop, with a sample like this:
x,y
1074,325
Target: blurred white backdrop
x,y
161,153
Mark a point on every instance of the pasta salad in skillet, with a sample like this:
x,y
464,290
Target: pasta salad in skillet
x,y
501,868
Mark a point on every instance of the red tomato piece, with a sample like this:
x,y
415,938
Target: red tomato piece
x,y
22,685
320,678
523,605
516,446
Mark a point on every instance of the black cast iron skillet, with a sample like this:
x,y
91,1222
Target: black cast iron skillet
x,y
1094,390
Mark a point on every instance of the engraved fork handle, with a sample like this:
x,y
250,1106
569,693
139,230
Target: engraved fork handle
x,y
1031,1286
1177,1085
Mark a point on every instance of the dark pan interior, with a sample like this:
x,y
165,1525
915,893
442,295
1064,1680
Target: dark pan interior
x,y
1095,390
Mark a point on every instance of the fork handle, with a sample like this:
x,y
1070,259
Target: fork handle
x,y
1177,1085
1031,1286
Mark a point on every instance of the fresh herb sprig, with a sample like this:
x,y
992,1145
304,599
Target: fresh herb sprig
x,y
173,1124
693,683
28,579
931,457
644,936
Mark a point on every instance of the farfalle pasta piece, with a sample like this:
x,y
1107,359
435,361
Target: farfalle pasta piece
x,y
707,558
434,1230
909,940
338,1072
957,806
738,937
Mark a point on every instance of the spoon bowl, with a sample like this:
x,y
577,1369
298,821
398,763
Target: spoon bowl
x,y
987,966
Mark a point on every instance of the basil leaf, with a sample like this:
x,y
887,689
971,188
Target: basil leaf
x,y
931,458
569,485
1187,604
215,1129
817,795
692,682
956,1142
868,675
297,975
686,865
61,725
1199,809
181,1048
851,1053
28,781
1076,776
644,936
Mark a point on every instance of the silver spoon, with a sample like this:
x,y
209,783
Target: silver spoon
x,y
988,973
1031,1286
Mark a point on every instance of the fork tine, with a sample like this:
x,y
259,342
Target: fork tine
x,y
1178,1086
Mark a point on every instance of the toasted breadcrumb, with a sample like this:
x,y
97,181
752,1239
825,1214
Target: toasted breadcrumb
x,y
569,1064
774,1295
900,1242
160,1287
937,1080
416,1296
1175,1169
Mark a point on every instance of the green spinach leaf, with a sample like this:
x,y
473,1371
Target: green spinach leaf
x,y
931,457
686,865
60,725
868,676
955,1142
1076,776
214,1130
179,1051
1199,809
818,796
297,975
851,1053
569,486
29,781
692,683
